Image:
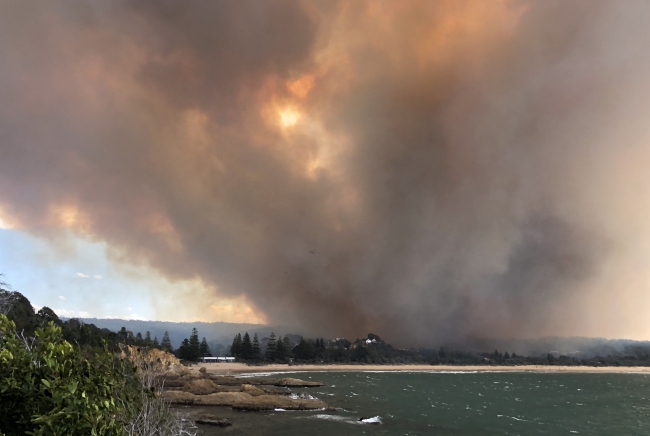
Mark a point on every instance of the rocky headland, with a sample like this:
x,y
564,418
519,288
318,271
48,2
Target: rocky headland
x,y
186,386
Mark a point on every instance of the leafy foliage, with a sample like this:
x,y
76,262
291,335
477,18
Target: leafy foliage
x,y
50,387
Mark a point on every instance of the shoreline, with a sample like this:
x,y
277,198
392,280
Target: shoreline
x,y
235,369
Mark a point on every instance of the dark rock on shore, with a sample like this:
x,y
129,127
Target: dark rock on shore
x,y
275,390
284,382
297,383
174,383
225,380
213,420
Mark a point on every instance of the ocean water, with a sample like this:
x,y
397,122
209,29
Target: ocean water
x,y
457,404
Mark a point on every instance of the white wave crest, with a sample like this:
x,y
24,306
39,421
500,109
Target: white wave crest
x,y
373,420
347,420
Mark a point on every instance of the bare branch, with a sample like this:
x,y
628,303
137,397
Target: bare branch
x,y
7,297
28,342
155,417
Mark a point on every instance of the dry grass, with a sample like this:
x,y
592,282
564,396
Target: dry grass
x,y
155,416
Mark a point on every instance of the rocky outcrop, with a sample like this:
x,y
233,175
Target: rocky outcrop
x,y
172,382
205,387
283,382
196,387
225,380
158,360
200,387
212,420
252,390
244,401
274,390
297,383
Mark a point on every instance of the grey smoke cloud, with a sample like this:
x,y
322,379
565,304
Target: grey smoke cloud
x,y
464,170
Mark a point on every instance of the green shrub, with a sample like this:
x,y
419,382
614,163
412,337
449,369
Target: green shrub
x,y
49,387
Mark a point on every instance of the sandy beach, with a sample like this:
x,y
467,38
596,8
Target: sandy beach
x,y
240,368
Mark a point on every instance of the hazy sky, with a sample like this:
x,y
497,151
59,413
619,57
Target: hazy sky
x,y
463,169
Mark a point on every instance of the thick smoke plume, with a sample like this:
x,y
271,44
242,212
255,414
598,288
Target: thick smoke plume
x,y
463,169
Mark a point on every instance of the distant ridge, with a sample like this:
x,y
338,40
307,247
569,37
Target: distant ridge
x,y
214,332
220,334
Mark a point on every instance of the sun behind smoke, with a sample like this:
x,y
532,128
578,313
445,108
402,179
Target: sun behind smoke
x,y
289,117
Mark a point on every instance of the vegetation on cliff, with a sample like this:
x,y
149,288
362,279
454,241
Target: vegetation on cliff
x,y
63,378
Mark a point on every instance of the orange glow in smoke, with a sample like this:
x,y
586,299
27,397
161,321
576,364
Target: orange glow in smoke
x,y
301,87
289,117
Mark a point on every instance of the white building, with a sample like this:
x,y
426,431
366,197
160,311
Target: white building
x,y
217,359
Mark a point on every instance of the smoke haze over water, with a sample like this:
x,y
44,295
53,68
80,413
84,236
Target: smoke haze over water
x,y
464,169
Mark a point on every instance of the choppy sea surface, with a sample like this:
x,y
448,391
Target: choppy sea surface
x,y
457,404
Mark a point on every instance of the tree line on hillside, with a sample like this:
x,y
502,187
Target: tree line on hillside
x,y
127,337
373,350
276,350
318,350
640,357
27,321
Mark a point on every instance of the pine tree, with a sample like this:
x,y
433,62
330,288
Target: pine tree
x,y
195,346
441,352
183,351
257,351
147,338
235,349
305,350
138,338
271,348
280,351
288,348
123,334
155,342
246,347
166,343
204,349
